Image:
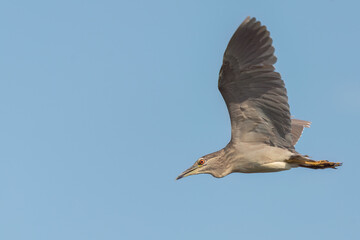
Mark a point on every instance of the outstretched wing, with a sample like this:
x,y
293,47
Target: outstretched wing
x,y
254,93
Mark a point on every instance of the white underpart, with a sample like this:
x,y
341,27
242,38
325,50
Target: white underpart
x,y
275,167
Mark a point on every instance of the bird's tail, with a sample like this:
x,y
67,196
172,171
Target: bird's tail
x,y
297,127
303,161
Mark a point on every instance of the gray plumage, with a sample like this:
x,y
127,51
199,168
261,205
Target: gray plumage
x,y
263,134
254,93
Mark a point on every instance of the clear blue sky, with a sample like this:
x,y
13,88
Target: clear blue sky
x,y
104,103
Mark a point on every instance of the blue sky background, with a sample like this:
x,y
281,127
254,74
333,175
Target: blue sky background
x,y
104,103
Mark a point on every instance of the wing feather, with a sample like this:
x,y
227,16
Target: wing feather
x,y
254,93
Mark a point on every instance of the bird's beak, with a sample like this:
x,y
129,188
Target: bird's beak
x,y
191,171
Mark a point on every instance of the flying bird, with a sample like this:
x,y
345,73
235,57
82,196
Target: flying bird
x,y
263,135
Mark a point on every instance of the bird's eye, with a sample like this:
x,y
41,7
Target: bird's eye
x,y
201,162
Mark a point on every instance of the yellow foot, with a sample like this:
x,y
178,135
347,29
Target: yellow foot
x,y
319,164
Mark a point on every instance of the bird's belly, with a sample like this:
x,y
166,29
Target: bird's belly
x,y
263,168
264,159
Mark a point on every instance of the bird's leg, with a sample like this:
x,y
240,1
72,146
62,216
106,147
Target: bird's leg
x,y
319,164
302,161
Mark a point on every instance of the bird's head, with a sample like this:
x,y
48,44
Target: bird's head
x,y
213,164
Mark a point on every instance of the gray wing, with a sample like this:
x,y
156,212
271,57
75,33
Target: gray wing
x,y
297,127
254,93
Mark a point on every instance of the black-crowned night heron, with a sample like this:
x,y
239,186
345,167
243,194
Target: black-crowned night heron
x,y
263,134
